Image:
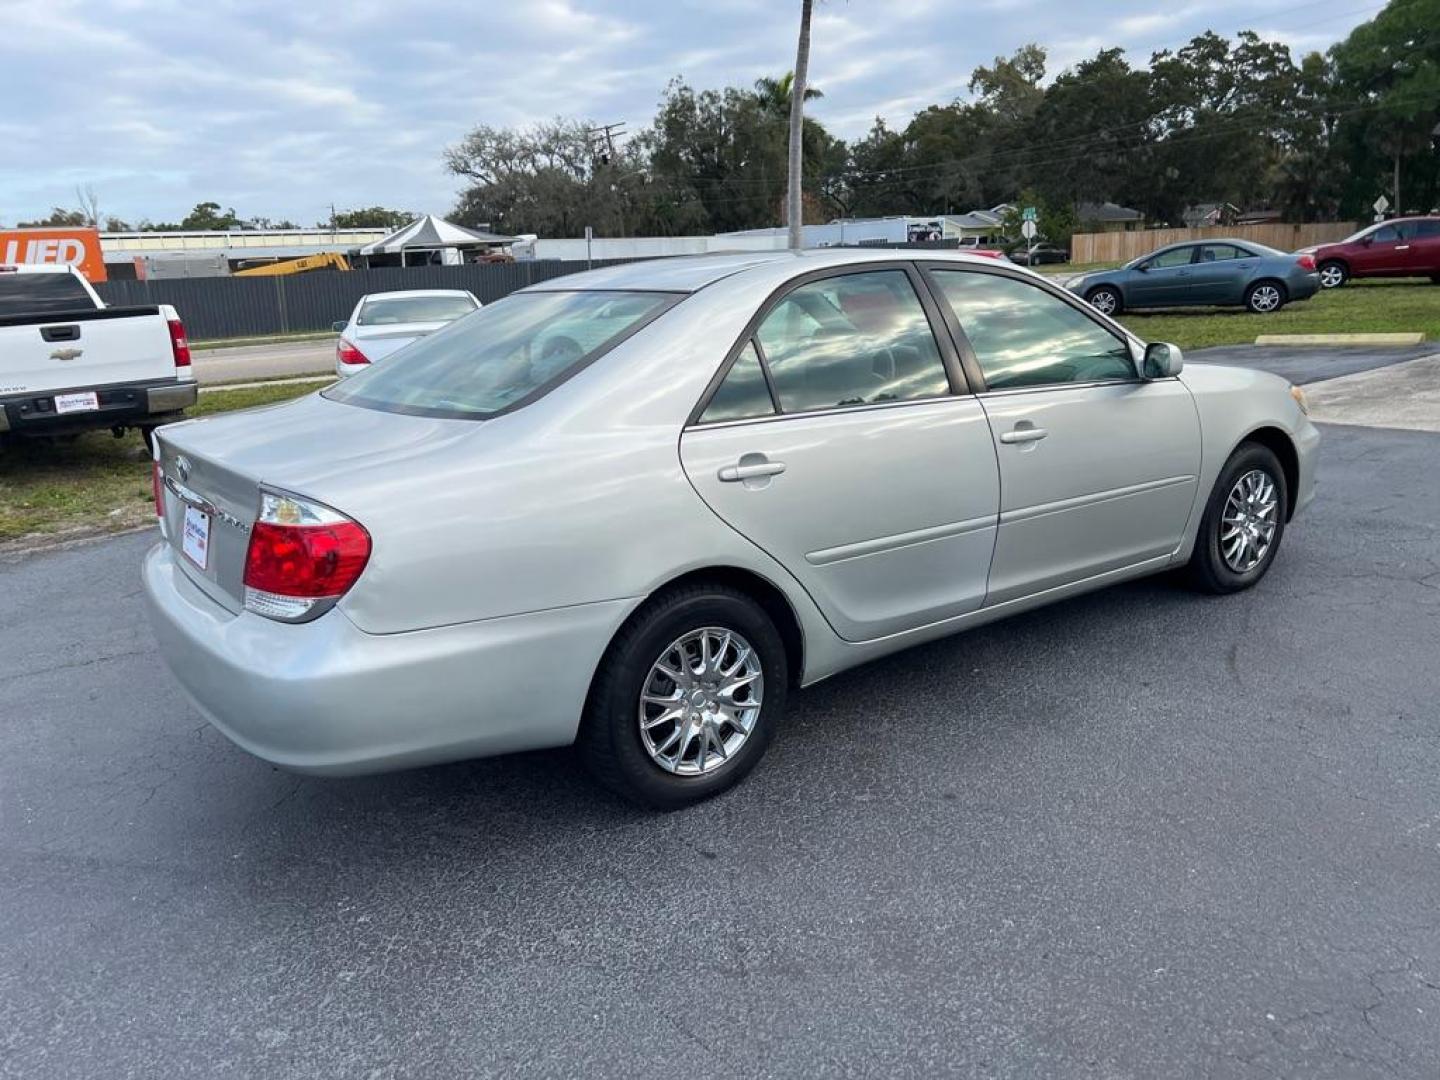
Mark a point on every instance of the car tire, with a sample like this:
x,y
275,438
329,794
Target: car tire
x,y
1265,297
1106,300
1228,552
1435,279
1333,274
624,740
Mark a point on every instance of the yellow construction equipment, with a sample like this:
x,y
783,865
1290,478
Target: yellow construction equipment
x,y
332,259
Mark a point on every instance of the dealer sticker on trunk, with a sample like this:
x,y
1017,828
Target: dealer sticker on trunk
x,y
196,542
84,402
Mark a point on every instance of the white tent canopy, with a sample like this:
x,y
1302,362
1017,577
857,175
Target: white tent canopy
x,y
430,233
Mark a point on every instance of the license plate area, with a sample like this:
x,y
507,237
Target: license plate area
x,y
87,401
195,537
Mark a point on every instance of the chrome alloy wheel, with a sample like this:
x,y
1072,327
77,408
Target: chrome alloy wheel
x,y
1247,527
1331,276
1265,298
1103,302
701,701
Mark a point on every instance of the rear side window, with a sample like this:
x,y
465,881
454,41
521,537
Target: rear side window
x,y
1428,228
1220,253
505,355
42,294
855,339
743,395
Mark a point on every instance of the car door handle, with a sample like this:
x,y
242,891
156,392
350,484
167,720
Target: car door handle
x,y
1024,435
731,474
1402,247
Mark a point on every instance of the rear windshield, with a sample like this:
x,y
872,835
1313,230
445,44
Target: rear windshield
x,y
505,355
42,294
413,309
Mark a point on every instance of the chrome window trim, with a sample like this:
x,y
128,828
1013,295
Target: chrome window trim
x,y
840,411
955,373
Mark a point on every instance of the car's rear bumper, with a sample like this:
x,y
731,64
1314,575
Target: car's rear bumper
x,y
1303,286
121,405
326,697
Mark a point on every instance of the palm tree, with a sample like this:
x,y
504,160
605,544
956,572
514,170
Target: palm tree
x,y
774,94
794,209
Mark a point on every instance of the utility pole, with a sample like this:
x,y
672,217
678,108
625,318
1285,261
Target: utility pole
x,y
795,211
606,157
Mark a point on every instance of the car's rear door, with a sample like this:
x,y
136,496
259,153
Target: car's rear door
x,y
1424,256
1163,279
1220,273
839,438
1098,468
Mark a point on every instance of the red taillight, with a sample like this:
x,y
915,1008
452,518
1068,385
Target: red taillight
x,y
307,561
179,343
346,353
1307,262
989,253
157,484
300,554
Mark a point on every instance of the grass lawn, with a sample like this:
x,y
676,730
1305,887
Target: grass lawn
x,y
95,483
1359,307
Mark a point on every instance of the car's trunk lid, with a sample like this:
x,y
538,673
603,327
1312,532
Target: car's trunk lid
x,y
379,342
214,469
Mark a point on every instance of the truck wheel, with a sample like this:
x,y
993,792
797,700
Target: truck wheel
x,y
147,432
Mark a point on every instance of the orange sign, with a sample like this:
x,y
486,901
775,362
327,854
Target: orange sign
x,y
74,247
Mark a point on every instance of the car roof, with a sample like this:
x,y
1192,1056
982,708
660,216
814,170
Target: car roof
x,y
690,273
400,294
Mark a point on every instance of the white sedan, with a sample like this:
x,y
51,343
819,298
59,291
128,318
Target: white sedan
x,y
385,322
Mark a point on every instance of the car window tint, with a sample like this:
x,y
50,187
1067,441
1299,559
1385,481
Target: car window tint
x,y
1385,234
1428,228
1024,336
414,309
506,352
1220,253
856,339
1177,257
42,294
743,394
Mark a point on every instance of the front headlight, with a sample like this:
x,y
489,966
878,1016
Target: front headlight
x,y
1299,396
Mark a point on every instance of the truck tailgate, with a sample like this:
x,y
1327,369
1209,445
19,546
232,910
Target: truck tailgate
x,y
67,350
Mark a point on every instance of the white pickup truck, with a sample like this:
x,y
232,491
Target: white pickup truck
x,y
69,364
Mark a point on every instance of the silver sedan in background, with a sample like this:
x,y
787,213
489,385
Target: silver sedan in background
x,y
385,322
633,509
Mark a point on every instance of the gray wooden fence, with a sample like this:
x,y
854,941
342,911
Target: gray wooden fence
x,y
226,307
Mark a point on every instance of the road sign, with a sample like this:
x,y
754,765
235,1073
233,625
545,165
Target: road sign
x,y
1029,213
1027,228
1381,204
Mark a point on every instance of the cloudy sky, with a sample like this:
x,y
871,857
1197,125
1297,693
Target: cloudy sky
x,y
281,107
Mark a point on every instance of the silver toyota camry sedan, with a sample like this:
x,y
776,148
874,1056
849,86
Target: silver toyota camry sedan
x,y
633,509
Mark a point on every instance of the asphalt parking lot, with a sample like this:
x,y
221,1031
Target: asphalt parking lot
x,y
1140,834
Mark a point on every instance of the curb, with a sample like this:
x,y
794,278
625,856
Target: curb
x,y
1341,339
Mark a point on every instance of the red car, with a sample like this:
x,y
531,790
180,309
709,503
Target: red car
x,y
1400,247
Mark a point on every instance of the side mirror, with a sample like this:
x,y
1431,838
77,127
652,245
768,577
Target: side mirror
x,y
339,325
1366,241
1144,268
1162,360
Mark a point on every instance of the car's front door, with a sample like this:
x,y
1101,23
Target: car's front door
x,y
837,442
1220,273
1098,467
1164,278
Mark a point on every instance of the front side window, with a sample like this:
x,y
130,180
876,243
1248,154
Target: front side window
x,y
1024,336
511,350
854,339
1175,257
1386,234
414,309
